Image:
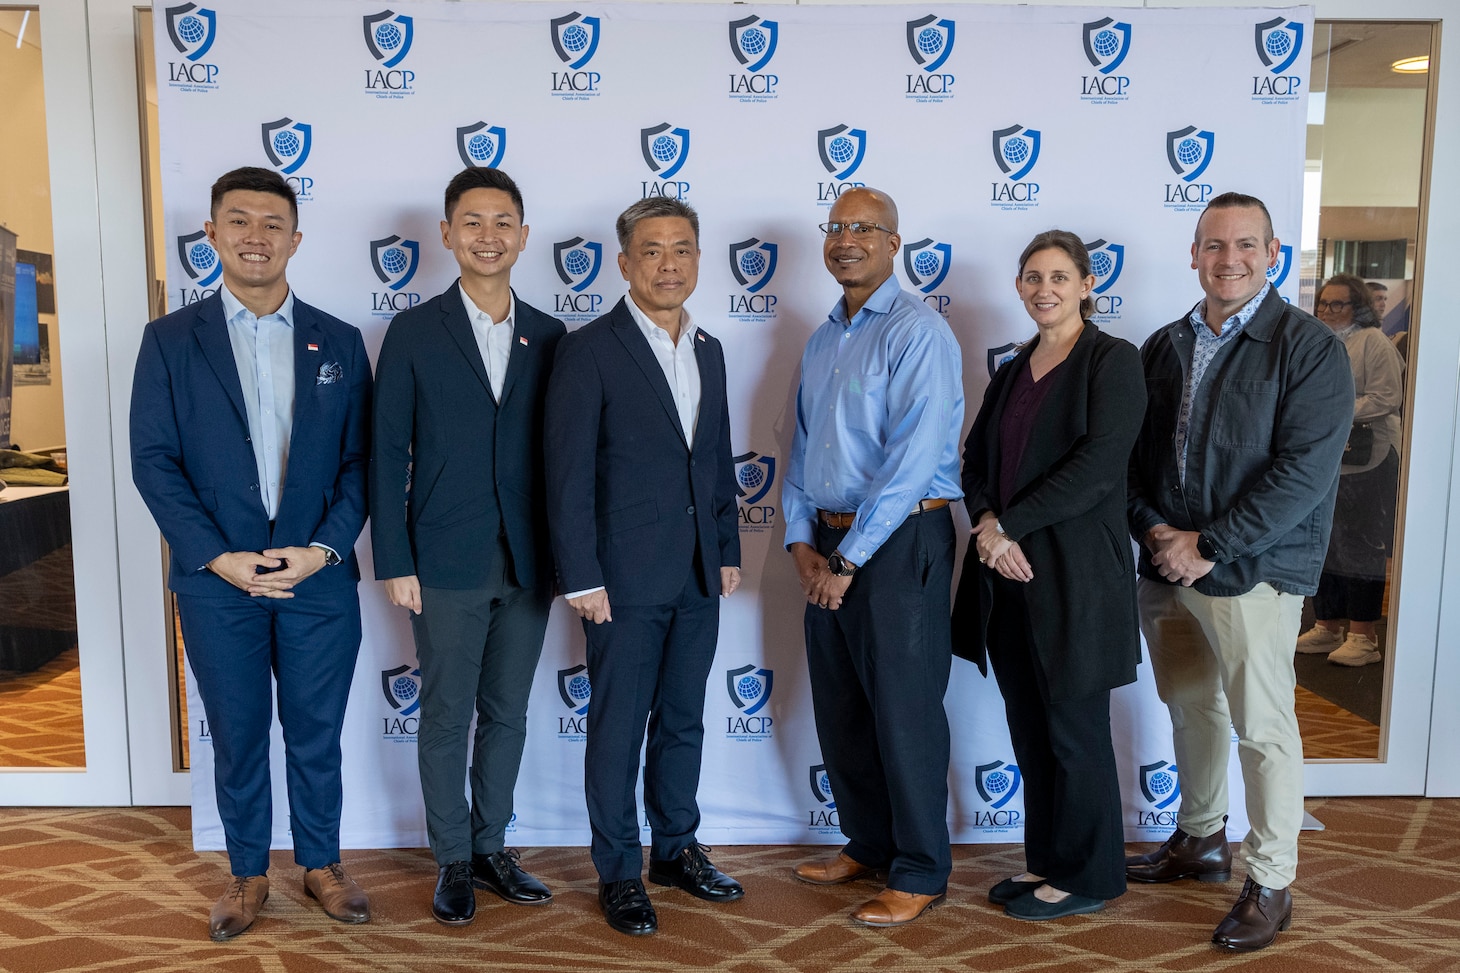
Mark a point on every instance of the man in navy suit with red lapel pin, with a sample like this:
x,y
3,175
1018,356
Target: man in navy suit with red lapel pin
x,y
250,428
458,520
641,507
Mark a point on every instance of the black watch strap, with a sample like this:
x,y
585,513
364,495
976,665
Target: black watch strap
x,y
1205,547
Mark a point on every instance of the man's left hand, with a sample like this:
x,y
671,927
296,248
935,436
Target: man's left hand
x,y
1174,554
729,581
299,563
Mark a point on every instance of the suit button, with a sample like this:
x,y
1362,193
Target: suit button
x,y
254,487
690,509
691,464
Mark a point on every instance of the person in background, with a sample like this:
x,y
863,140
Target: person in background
x,y
1378,299
1051,598
1351,587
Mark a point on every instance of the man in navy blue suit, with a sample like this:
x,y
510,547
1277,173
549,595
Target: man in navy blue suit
x,y
458,520
250,441
641,509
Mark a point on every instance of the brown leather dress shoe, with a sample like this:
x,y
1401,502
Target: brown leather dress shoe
x,y
337,892
835,871
1206,859
1254,922
893,908
239,906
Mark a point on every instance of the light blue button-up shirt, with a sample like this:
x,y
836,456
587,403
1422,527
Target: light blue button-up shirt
x,y
264,351
878,418
1205,349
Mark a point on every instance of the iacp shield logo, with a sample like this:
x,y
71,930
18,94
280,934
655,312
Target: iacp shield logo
x,y
1003,354
753,43
481,145
1161,787
1016,152
930,42
192,30
200,263
401,688
388,38
753,265
749,689
1107,260
1278,272
926,264
666,150
1279,42
1189,152
1106,42
575,41
394,261
842,149
577,262
997,783
576,692
822,818
755,474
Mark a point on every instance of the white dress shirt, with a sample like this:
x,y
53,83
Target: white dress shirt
x,y
678,363
494,338
263,348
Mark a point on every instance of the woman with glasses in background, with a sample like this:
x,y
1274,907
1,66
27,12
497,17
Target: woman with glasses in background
x,y
1351,587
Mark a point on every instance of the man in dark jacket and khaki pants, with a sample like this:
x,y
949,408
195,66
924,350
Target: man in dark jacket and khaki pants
x,y
1233,479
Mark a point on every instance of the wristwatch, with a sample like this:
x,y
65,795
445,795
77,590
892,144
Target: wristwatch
x,y
840,566
330,557
1205,547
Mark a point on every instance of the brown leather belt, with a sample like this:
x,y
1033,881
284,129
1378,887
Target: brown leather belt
x,y
842,521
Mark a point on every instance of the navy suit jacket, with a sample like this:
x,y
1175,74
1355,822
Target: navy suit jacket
x,y
193,461
629,500
435,416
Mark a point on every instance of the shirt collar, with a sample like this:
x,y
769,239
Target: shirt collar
x,y
648,327
233,307
475,313
880,302
1238,320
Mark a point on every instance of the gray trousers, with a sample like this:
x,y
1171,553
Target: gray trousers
x,y
477,649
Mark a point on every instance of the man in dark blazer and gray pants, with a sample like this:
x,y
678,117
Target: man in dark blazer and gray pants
x,y
459,525
646,536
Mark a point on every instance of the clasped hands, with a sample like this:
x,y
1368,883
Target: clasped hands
x,y
240,569
1174,554
821,587
997,552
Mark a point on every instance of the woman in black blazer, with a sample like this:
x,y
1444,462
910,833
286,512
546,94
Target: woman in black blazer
x,y
1048,589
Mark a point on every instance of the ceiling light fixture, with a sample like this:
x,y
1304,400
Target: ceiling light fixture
x,y
1411,65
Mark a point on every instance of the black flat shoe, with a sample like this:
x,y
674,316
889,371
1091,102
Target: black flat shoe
x,y
1032,908
1010,889
455,901
499,872
691,870
627,908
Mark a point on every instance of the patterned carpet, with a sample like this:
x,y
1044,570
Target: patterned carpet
x,y
120,890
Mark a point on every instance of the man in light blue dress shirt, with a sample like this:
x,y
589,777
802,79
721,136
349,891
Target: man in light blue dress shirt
x,y
250,439
874,464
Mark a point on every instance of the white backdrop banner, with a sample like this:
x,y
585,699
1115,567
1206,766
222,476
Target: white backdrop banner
x,y
987,124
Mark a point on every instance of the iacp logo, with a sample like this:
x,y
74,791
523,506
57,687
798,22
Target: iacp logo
x,y
666,150
575,39
926,264
1107,260
481,145
1189,152
1279,42
749,689
823,816
1002,355
1106,45
198,258
753,42
394,261
1016,152
1278,272
577,262
192,30
388,36
1160,786
287,144
576,692
997,783
753,264
401,687
842,149
755,474
930,41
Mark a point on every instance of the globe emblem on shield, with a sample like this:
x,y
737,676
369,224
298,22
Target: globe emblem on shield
x,y
1016,151
191,29
287,144
841,150
388,37
579,688
1160,783
1100,264
404,689
748,688
202,257
750,476
1278,43
664,148
394,260
1188,152
930,41
753,41
577,262
575,38
1106,43
926,264
825,786
753,263
997,782
481,147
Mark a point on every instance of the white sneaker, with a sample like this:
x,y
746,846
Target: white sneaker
x,y
1319,639
1356,650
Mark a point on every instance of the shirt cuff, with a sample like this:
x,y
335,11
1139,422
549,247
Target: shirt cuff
x,y
857,548
585,591
801,532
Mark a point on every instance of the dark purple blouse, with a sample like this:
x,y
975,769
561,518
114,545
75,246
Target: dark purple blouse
x,y
1016,425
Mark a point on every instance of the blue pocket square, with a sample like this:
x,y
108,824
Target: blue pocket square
x,y
329,373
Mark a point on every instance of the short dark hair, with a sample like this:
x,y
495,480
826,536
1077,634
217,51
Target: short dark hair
x,y
1070,245
257,180
1376,287
1358,292
474,177
1237,201
651,208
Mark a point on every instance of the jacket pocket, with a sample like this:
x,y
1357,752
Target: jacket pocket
x,y
630,516
1245,412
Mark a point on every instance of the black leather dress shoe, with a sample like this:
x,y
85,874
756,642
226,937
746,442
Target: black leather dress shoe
x,y
455,901
1206,859
691,870
1254,922
627,908
500,873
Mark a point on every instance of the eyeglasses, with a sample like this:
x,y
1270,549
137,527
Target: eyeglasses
x,y
858,229
1332,305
